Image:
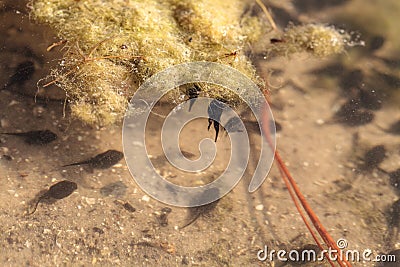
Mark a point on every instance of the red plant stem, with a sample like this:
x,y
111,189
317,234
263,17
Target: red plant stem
x,y
292,186
296,203
313,217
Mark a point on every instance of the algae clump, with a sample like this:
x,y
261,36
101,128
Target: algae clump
x,y
317,39
113,46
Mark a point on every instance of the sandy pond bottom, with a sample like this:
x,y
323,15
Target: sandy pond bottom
x,y
95,225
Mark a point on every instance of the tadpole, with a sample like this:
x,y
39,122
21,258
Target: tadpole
x,y
36,137
204,210
350,114
193,93
395,179
394,214
101,161
373,157
214,115
57,191
394,128
278,126
23,72
376,42
234,125
352,79
369,99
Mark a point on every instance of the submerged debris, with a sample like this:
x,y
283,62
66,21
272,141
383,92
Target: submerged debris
x,y
163,217
102,161
127,206
36,137
57,191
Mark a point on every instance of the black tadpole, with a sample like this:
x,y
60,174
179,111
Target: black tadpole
x,y
234,125
204,210
193,93
23,72
395,179
394,216
351,114
101,161
57,191
214,116
394,128
374,156
36,137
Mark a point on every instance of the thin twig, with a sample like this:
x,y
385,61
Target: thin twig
x,y
268,14
55,45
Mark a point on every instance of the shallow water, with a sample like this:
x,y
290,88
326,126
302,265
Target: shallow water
x,y
325,154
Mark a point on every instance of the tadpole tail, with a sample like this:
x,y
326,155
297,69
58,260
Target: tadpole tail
x,y
382,170
216,127
76,164
16,134
35,207
191,102
191,221
209,124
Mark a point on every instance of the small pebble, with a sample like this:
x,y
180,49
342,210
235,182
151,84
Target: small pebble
x,y
90,201
260,207
146,198
12,103
4,123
